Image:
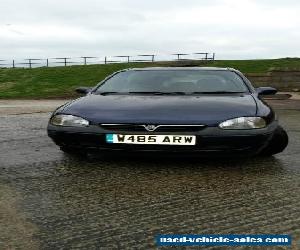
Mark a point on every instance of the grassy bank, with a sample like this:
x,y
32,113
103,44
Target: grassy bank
x,y
59,82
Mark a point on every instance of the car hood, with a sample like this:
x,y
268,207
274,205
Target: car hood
x,y
145,109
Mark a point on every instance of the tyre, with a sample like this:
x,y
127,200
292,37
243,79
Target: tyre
x,y
277,144
73,151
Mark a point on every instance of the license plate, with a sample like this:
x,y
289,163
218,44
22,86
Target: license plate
x,y
152,139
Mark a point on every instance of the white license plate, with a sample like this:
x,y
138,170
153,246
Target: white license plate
x,y
152,139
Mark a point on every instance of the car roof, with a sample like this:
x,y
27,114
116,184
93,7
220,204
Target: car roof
x,y
181,68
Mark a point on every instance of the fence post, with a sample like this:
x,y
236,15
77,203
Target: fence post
x,y
31,61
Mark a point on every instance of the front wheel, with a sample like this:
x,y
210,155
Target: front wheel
x,y
277,144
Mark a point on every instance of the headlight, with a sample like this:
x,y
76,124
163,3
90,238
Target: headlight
x,y
243,123
69,120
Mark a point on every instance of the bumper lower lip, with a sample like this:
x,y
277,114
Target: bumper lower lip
x,y
210,141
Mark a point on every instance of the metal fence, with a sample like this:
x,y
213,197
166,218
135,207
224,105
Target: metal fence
x,y
88,60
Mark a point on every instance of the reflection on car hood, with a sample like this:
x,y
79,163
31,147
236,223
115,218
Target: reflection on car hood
x,y
145,109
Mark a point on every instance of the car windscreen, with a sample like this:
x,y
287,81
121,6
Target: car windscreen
x,y
187,81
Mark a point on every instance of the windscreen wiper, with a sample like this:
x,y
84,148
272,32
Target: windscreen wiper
x,y
218,92
157,93
109,93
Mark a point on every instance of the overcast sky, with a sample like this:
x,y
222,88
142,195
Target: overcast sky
x,y
234,29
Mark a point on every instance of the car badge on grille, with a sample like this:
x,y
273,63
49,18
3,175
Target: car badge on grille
x,y
150,128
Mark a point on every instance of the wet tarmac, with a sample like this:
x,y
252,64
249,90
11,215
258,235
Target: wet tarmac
x,y
49,200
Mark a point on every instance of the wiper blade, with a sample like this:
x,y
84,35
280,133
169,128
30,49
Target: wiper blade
x,y
218,92
166,93
157,93
109,93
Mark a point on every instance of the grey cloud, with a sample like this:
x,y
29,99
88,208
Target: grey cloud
x,y
101,27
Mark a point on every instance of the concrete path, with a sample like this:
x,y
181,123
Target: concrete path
x,y
16,107
49,200
295,95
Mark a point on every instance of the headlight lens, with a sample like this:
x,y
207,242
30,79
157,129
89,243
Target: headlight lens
x,y
69,120
244,123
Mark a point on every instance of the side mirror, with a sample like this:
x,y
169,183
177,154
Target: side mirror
x,y
83,90
266,91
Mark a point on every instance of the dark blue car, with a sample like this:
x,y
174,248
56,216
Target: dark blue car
x,y
207,111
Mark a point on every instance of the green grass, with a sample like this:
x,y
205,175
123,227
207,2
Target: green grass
x,y
259,66
60,82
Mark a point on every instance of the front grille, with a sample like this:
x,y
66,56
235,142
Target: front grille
x,y
151,128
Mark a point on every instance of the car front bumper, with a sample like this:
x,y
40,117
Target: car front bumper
x,y
209,141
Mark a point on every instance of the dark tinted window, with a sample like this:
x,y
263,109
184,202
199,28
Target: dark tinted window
x,y
174,81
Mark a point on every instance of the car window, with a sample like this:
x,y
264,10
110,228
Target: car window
x,y
174,81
